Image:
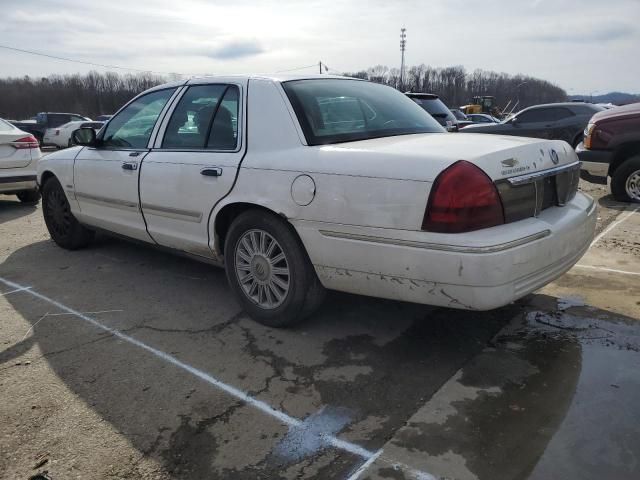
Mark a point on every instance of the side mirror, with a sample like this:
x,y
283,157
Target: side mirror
x,y
515,122
84,136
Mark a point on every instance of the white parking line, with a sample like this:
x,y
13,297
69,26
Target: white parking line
x,y
346,446
364,466
605,269
613,225
21,289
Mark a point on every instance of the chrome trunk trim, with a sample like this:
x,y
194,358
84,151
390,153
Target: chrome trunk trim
x,y
532,177
438,246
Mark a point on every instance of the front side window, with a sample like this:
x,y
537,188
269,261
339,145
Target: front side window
x,y
205,118
132,127
335,110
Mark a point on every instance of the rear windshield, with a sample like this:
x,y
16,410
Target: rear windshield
x,y
434,106
6,126
335,110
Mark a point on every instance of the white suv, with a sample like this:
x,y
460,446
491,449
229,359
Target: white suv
x,y
19,155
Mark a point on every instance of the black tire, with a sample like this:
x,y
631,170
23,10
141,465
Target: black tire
x,y
63,227
629,168
305,292
29,197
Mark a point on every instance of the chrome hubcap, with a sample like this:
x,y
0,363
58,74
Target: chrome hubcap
x,y
633,186
262,269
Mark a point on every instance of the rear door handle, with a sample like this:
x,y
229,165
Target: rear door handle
x,y
211,172
129,166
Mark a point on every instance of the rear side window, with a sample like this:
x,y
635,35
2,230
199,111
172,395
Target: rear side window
x,y
206,117
57,119
586,109
549,114
224,132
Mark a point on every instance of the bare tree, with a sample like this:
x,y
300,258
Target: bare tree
x,y
92,94
457,87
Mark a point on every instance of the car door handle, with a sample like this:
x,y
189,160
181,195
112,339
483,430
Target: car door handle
x,y
129,166
211,172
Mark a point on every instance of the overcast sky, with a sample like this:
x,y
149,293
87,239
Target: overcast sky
x,y
581,45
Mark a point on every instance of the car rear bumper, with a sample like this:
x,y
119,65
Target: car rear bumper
x,y
477,271
594,162
17,183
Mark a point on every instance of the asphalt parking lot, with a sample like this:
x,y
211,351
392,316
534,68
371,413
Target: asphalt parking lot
x,y
122,361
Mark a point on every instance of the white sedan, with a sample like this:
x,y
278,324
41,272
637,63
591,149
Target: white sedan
x,y
299,184
19,155
61,136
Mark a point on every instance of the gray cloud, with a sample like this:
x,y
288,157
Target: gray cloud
x,y
237,49
586,33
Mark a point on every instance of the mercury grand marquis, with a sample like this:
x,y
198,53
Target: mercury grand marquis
x,y
297,184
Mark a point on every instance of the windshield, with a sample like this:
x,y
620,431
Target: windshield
x,y
335,110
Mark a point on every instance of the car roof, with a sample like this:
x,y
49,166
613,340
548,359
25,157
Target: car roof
x,y
563,104
274,77
61,113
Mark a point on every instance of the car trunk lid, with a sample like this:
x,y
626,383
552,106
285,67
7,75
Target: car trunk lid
x,y
14,154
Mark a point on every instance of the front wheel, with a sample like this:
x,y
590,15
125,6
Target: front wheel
x,y
63,227
29,197
269,271
625,182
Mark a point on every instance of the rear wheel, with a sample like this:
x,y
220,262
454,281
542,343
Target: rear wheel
x,y
625,182
269,271
63,227
30,197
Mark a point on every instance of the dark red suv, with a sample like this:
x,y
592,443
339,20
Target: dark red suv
x,y
611,147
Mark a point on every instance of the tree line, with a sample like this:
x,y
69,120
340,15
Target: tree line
x,y
90,95
96,93
456,87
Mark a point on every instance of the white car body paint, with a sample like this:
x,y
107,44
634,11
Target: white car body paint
x,y
18,166
362,228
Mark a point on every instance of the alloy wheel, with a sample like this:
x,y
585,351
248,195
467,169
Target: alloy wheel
x,y
262,269
632,186
58,212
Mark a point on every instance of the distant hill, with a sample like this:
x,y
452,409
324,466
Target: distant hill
x,y
617,98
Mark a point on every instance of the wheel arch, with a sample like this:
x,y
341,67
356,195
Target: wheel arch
x,y
229,212
45,177
622,153
579,137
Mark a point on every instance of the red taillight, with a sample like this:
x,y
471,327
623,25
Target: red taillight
x,y
26,142
463,198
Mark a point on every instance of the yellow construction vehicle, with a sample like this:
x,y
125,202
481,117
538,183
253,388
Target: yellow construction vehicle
x,y
481,104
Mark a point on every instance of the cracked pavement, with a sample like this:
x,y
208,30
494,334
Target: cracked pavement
x,y
465,395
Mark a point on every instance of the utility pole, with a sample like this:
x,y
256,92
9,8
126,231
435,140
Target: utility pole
x,y
403,44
